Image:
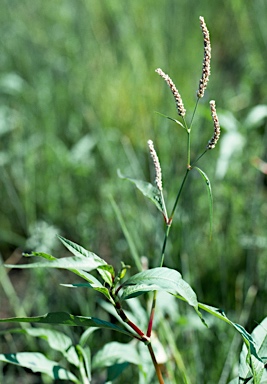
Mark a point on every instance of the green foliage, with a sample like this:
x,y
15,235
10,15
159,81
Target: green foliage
x,y
77,90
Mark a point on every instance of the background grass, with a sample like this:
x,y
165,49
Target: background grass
x,y
78,93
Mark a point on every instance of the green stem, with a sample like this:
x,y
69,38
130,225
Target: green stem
x,y
178,196
153,306
199,157
194,112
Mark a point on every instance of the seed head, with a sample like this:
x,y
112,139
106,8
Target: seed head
x,y
206,61
216,135
178,100
156,162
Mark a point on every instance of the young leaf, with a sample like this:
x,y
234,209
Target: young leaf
x,y
107,273
208,185
157,279
116,353
148,190
37,362
67,319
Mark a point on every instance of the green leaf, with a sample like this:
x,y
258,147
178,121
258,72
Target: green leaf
x,y
114,371
157,279
170,118
255,362
85,363
67,319
37,362
40,254
116,353
98,288
259,335
208,185
107,273
85,336
70,263
148,190
79,251
56,340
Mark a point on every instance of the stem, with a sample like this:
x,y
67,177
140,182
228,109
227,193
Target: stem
x,y
156,365
141,335
177,198
153,306
194,112
199,157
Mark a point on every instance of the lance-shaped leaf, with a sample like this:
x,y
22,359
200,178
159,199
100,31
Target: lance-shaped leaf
x,y
37,362
86,276
56,340
259,335
172,119
255,362
159,279
208,185
70,263
148,190
97,287
67,319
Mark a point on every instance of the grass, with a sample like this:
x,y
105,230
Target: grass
x,y
77,99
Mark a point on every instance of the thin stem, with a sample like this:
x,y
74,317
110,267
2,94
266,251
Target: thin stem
x,y
199,157
194,112
153,306
177,198
156,365
141,335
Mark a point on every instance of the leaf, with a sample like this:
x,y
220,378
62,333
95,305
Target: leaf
x,y
208,185
37,362
107,273
259,335
82,274
56,340
170,118
99,288
70,263
116,353
256,363
40,254
147,189
67,319
158,279
79,251
114,371
85,369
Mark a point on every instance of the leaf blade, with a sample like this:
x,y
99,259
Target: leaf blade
x,y
65,318
37,362
209,191
160,278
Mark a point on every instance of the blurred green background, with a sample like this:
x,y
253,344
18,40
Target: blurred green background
x,y
78,95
